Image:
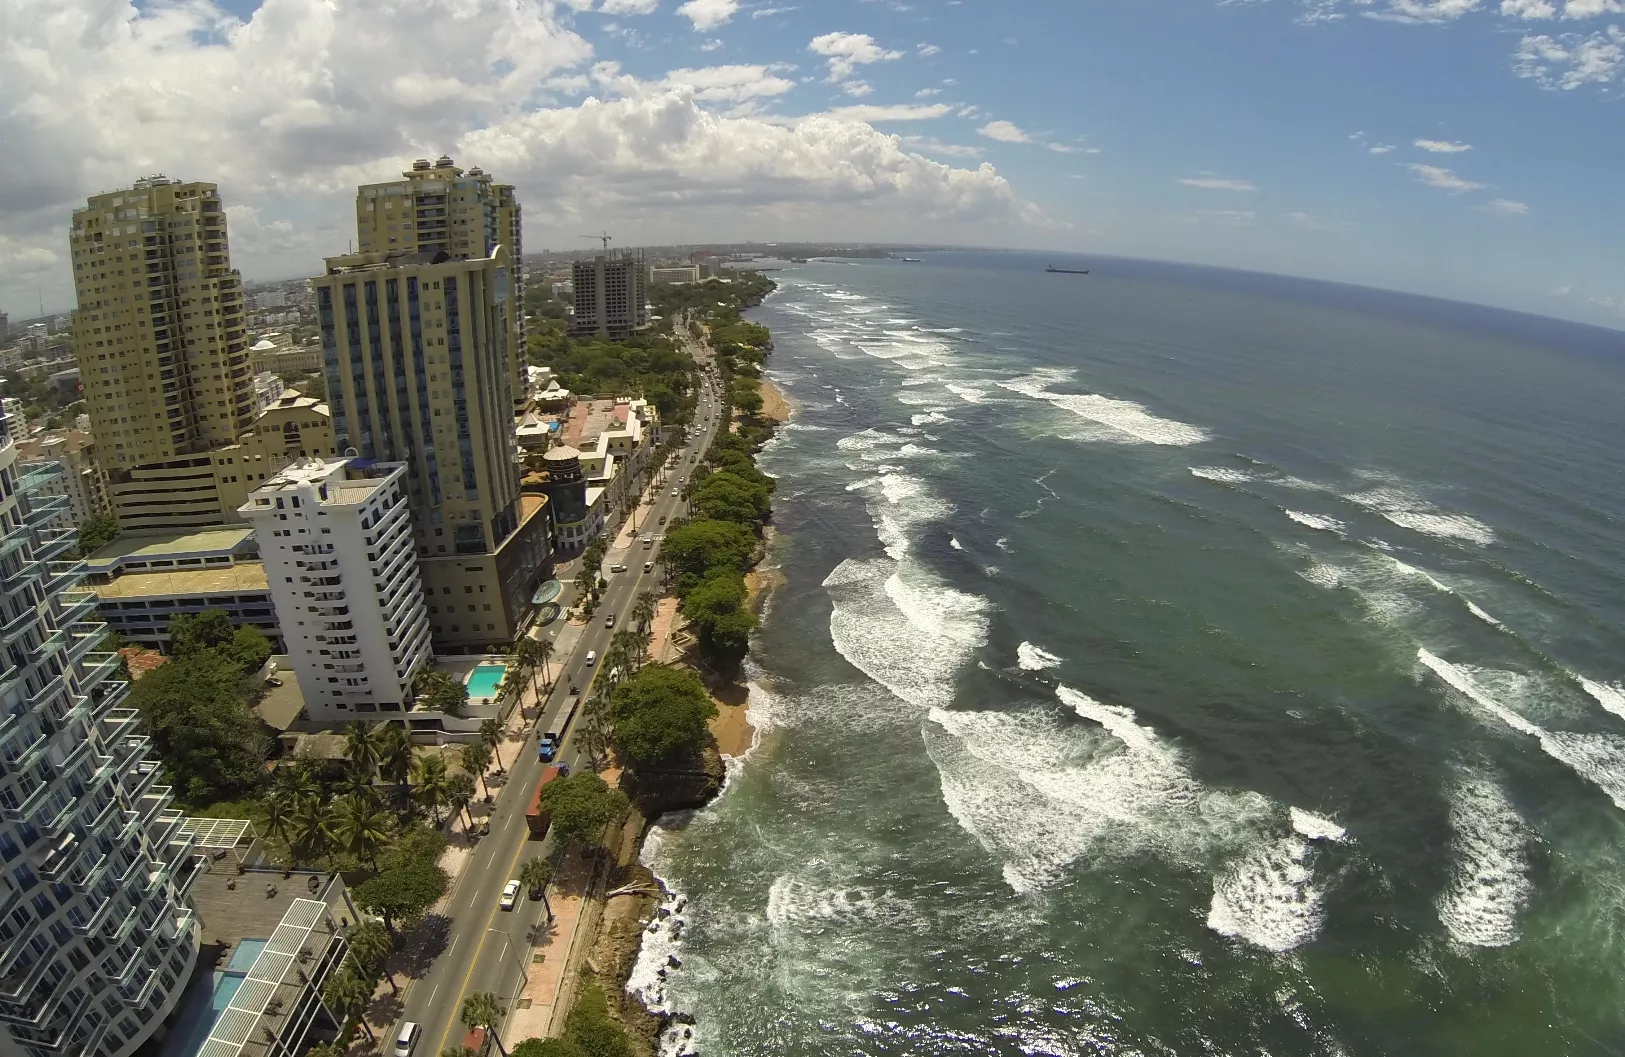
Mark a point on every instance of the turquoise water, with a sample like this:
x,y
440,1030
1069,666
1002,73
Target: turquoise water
x,y
483,682
242,958
1171,662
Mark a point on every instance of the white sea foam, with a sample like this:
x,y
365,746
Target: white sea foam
x,y
1316,827
1598,758
1221,474
903,629
801,904
930,418
1003,543
953,541
1435,582
662,938
1268,896
1408,510
1489,882
1125,417
1322,575
1035,658
1319,522
968,393
1609,695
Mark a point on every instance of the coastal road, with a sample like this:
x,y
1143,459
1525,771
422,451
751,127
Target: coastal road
x,y
487,949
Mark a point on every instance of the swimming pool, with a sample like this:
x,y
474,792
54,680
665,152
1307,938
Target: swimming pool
x,y
482,682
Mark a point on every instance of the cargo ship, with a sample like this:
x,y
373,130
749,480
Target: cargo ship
x,y
1067,271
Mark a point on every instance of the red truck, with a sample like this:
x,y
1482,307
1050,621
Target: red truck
x,y
537,817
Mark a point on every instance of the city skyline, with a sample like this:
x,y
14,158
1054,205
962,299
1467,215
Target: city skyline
x,y
1456,149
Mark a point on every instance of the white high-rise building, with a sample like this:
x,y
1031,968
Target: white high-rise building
x,y
96,940
336,538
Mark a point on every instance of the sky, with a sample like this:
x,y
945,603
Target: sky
x,y
1471,149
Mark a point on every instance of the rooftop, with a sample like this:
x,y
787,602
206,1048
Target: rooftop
x,y
197,543
173,583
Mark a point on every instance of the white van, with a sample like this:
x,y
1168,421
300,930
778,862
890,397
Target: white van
x,y
408,1038
592,658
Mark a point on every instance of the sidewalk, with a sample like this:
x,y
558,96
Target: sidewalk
x,y
533,1011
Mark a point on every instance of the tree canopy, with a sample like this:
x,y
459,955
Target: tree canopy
x,y
590,1027
581,805
96,532
547,1048
211,744
659,714
409,879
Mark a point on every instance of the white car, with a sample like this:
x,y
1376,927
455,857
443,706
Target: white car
x,y
510,895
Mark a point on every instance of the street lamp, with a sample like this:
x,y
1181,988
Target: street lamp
x,y
507,945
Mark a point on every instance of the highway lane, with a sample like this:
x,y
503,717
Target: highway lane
x,y
487,949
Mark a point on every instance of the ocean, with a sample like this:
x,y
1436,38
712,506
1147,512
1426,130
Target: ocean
x,y
1169,661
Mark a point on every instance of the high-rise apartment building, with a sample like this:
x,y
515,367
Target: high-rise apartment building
x,y
162,349
416,352
340,558
611,296
165,363
96,940
5,327
440,207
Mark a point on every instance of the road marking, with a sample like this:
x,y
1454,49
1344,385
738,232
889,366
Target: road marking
x,y
433,993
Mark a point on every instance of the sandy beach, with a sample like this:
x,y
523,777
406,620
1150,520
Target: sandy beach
x,y
774,405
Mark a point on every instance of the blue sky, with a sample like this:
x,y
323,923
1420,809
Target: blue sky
x,y
1463,148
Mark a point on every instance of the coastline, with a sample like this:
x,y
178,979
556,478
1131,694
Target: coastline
x,y
775,406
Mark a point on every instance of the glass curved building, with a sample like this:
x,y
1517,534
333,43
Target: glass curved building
x,y
96,939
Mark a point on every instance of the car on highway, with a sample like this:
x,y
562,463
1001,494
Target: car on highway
x,y
510,895
548,747
617,568
407,1038
609,621
662,519
674,492
648,567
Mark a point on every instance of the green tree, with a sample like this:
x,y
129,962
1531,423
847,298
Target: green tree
x,y
458,1051
429,783
580,806
491,733
439,691
482,1009
250,648
347,993
360,828
308,834
659,715
403,891
97,532
591,1028
547,1048
643,610
370,946
716,612
535,875
693,549
476,758
393,744
324,1049
192,633
212,746
460,793
360,747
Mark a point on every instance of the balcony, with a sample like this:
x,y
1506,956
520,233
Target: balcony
x,y
29,806
34,479
11,583
19,625
55,544
86,637
76,608
44,509
65,574
98,666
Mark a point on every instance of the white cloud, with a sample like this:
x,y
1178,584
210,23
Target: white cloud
x,y
1381,148
847,51
1228,217
707,15
858,89
927,93
1443,179
928,145
1528,10
711,45
629,7
766,12
927,50
1505,206
1004,132
1063,148
894,112
289,110
1217,183
1592,8
1310,222
1440,146
1571,60
1424,11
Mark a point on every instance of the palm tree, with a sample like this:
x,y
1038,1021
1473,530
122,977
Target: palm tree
x,y
476,758
348,994
277,807
460,793
535,875
429,783
358,783
395,756
491,733
544,653
359,743
370,945
629,646
294,783
593,742
360,828
527,654
307,830
643,611
482,1010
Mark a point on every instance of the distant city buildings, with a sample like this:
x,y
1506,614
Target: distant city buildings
x,y
79,480
675,275
337,544
145,581
610,296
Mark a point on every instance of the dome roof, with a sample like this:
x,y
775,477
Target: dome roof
x,y
563,453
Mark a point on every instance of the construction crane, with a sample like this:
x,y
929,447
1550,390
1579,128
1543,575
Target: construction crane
x,y
604,238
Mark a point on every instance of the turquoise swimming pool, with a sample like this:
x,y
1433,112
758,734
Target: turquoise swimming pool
x,y
482,682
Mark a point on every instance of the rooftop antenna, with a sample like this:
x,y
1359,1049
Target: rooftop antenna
x,y
603,237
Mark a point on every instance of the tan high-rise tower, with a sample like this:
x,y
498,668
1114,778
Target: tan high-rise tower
x,y
440,207
163,356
